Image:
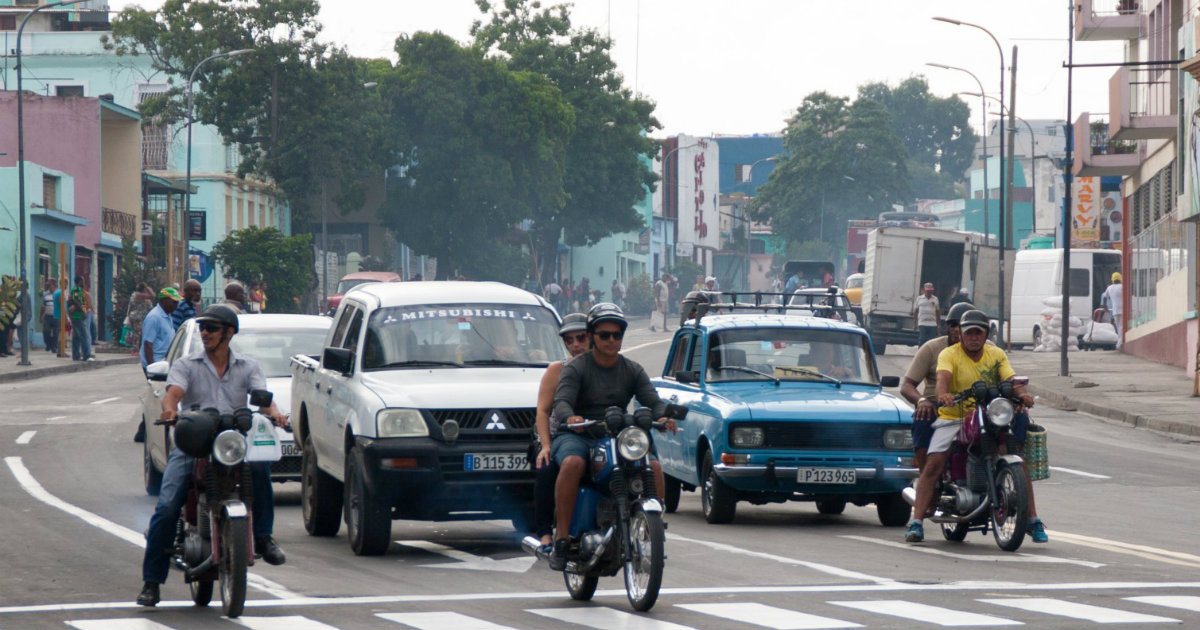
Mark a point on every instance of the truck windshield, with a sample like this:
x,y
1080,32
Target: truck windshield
x,y
456,335
789,354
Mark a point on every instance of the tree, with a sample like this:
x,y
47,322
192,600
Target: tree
x,y
285,263
934,131
842,161
609,153
483,150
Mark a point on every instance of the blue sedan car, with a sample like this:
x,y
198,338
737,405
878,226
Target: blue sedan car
x,y
783,408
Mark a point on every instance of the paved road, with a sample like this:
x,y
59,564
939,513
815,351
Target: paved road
x,y
1120,507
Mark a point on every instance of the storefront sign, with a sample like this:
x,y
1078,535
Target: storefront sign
x,y
1085,214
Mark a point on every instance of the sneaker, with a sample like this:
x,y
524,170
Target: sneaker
x,y
149,594
265,546
91,358
915,533
558,557
1037,531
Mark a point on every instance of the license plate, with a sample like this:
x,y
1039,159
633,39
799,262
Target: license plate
x,y
825,475
290,449
475,462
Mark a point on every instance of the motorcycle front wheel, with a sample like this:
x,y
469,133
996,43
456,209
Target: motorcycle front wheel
x,y
1010,514
232,571
581,587
644,568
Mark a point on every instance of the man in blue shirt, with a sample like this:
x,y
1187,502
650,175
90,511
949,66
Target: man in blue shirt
x,y
187,307
157,329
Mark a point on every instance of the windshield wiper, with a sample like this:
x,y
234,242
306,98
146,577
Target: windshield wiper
x,y
396,364
504,362
809,372
741,368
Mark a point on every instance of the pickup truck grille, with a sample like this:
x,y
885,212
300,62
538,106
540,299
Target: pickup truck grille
x,y
824,435
482,425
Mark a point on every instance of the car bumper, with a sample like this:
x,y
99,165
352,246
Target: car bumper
x,y
771,477
425,479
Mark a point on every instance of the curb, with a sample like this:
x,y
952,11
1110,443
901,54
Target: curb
x,y
1068,403
76,366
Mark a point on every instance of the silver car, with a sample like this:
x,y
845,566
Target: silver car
x,y
271,339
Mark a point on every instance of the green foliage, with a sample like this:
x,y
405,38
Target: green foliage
x,y
608,153
9,304
639,295
266,255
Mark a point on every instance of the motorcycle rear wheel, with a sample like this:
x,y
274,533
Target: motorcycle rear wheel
x,y
234,558
643,571
581,587
1010,515
202,591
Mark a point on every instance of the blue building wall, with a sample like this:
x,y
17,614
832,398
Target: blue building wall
x,y
746,150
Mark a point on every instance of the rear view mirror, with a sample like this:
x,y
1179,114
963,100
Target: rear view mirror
x,y
890,381
339,360
686,376
158,370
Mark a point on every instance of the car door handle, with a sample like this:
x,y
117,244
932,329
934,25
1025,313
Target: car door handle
x,y
674,398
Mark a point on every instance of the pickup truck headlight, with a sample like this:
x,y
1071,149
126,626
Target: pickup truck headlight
x,y
898,440
746,437
400,423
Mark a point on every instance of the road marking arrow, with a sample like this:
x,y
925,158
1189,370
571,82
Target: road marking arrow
x,y
470,560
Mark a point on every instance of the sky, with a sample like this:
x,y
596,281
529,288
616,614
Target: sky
x,y
737,67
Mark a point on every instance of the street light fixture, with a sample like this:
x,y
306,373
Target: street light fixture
x,y
187,200
987,192
21,182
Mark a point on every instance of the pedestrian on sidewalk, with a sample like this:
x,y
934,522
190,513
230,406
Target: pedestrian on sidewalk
x,y
1113,299
927,315
79,309
189,305
662,295
49,319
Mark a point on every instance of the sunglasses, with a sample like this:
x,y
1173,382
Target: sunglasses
x,y
605,335
211,328
576,338
952,324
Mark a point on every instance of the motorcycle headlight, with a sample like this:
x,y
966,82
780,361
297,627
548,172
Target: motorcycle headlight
x,y
1000,412
898,440
229,448
746,437
401,423
633,443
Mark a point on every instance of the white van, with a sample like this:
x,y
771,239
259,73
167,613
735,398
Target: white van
x,y
1037,275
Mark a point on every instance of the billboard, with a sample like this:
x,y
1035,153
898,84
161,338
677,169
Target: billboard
x,y
698,194
1085,212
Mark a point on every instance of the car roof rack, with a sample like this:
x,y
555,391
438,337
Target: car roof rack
x,y
697,304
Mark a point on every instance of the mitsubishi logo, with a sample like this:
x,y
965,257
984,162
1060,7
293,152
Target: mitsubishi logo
x,y
495,422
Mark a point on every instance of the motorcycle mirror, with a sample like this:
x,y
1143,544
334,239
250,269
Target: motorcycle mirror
x,y
261,397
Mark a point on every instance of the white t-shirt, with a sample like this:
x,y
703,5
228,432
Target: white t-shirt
x,y
662,292
1112,297
927,310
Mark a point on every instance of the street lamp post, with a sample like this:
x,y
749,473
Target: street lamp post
x,y
987,192
187,202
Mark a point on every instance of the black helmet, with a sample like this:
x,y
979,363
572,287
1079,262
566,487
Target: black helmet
x,y
575,322
194,432
606,312
973,319
219,314
956,312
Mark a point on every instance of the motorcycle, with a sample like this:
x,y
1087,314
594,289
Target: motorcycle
x,y
618,519
981,488
214,539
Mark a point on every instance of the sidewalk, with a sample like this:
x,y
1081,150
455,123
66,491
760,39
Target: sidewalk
x,y
43,363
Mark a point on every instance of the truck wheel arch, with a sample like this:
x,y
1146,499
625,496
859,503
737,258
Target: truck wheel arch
x,y
300,430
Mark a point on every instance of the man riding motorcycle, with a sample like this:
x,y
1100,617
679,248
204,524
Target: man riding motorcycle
x,y
923,368
589,384
958,366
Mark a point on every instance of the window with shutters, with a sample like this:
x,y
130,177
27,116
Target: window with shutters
x,y
155,134
50,192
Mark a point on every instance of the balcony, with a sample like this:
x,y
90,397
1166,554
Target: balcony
x,y
1143,104
1097,156
1106,20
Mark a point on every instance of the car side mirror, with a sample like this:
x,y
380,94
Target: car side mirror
x,y
890,381
676,412
158,370
340,360
687,376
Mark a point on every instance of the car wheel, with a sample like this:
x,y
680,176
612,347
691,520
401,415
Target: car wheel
x,y
717,499
368,520
892,509
1037,337
879,348
320,495
831,506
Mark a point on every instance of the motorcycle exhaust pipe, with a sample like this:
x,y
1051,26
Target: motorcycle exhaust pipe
x,y
532,546
909,494
200,568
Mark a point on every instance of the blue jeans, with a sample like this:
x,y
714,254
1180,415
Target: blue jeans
x,y
81,338
160,538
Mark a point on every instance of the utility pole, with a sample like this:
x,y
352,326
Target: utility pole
x,y
1064,368
1006,218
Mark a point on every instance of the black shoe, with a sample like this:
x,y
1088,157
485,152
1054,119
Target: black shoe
x,y
558,559
140,436
149,594
266,547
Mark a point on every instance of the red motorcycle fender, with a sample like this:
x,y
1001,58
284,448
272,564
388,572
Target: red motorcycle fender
x,y
231,509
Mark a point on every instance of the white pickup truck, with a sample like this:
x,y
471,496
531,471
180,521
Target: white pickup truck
x,y
421,406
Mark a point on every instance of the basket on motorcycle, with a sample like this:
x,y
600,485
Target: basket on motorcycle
x,y
1037,456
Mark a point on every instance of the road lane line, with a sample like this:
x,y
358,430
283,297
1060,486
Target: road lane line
x,y
1182,602
606,619
1141,551
928,614
133,623
56,418
1075,610
1006,557
647,344
1072,471
816,566
105,400
26,437
439,621
35,489
769,616
294,622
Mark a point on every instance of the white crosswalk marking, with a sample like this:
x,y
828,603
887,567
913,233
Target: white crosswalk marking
x,y
1064,608
133,623
283,623
930,614
769,616
606,619
441,621
1183,602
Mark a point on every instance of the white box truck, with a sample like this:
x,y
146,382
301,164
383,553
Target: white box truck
x,y
899,260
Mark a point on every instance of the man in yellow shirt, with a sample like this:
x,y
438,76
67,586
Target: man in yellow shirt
x,y
959,366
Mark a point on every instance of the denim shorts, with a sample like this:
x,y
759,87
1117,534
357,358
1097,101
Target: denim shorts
x,y
568,443
922,432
